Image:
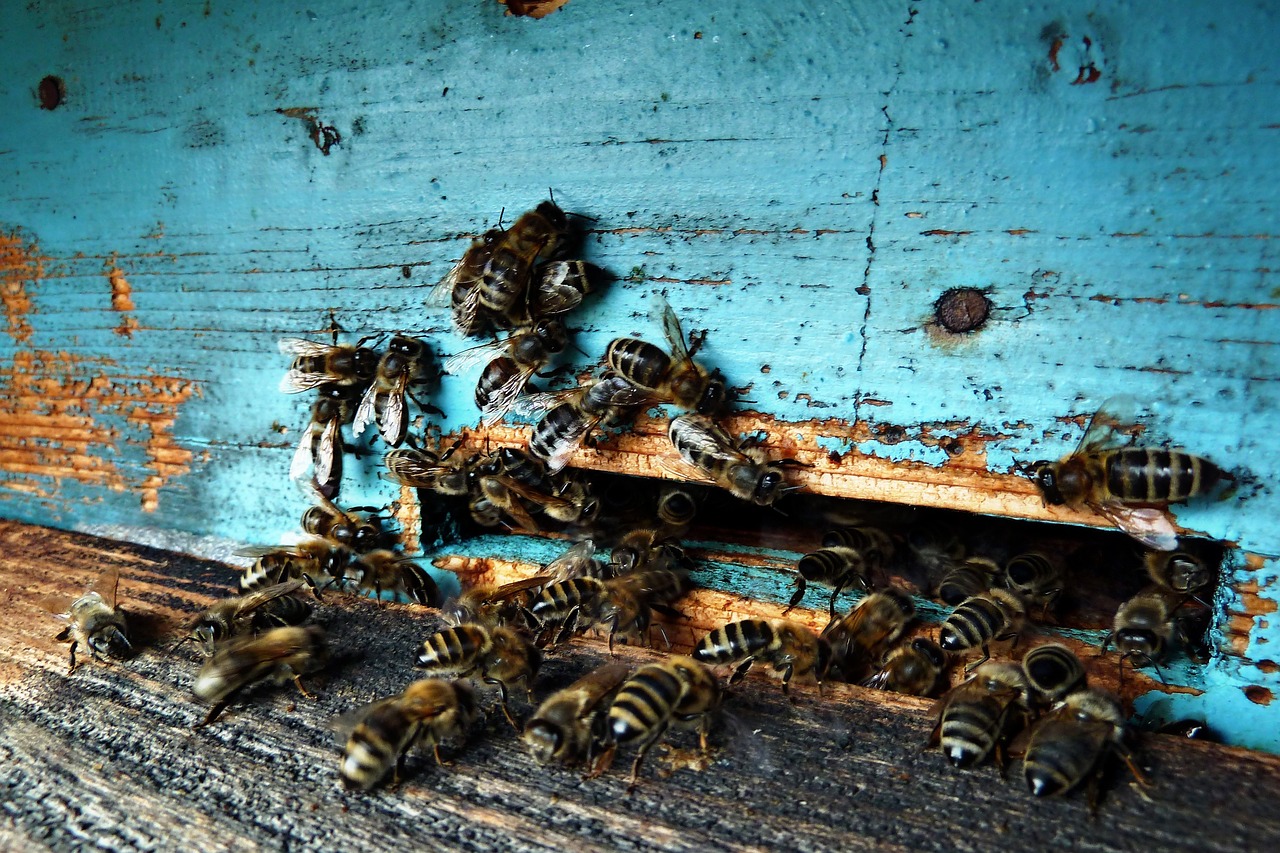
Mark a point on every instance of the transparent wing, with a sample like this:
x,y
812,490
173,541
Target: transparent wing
x,y
504,399
392,423
251,602
1149,525
475,356
674,334
1113,425
532,405
302,456
561,285
327,451
295,381
367,412
106,586
300,346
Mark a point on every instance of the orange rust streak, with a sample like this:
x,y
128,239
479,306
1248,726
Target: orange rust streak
x,y
65,417
21,264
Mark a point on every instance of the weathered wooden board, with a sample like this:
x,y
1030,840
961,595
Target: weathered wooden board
x,y
107,757
803,183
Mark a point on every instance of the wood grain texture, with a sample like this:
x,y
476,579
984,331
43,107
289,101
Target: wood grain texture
x,y
107,755
804,184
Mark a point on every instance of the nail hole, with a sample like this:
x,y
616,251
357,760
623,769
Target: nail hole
x,y
962,309
51,92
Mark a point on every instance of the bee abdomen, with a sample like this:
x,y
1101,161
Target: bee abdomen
x,y
1147,475
644,702
974,622
559,598
372,747
831,564
734,641
640,362
282,612
452,649
969,732
1057,761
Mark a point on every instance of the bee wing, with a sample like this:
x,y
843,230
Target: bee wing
x,y
681,469
504,399
58,605
367,412
599,685
561,286
674,334
532,405
248,603
1113,425
441,295
301,346
344,724
327,451
520,516
302,456
1149,525
475,356
466,311
106,586
570,564
392,424
296,380
507,590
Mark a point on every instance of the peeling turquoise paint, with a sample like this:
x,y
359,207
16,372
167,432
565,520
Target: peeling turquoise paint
x,y
802,181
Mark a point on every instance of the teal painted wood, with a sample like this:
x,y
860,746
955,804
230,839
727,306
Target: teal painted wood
x,y
804,182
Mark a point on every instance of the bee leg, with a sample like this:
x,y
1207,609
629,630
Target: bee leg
x,y
798,595
663,632
435,749
506,710
986,656
72,667
602,762
741,672
641,753
786,680
1127,757
297,680
213,714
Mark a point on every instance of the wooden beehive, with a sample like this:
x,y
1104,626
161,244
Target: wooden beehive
x,y
190,183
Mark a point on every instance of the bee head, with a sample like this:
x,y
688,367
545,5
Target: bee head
x,y
1045,475
931,651
110,642
714,396
543,739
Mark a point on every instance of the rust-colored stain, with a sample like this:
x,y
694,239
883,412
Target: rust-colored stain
x,y
1258,694
323,136
21,265
72,417
532,8
1243,617
121,300
409,516
943,232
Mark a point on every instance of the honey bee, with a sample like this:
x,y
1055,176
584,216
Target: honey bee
x,y
974,717
674,378
449,473
382,569
260,610
281,654
315,364
1144,629
788,647
490,285
1070,744
966,579
492,606
429,711
569,418
677,692
579,561
94,620
515,480
320,446
746,473
316,561
559,286
839,566
981,620
511,363
1053,671
571,724
914,669
358,528
873,544
1035,578
405,365
644,550
1131,486
625,604
500,655
1178,571
861,636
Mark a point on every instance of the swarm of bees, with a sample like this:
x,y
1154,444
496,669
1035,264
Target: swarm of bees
x,y
626,567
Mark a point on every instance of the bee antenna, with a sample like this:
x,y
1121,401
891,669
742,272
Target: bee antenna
x,y
177,645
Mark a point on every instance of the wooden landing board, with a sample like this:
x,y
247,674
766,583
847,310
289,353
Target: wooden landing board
x,y
107,755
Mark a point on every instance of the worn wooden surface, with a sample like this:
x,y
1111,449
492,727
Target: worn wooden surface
x,y
802,183
107,756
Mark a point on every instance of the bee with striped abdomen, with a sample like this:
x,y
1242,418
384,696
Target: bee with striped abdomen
x,y
281,654
320,448
1053,671
838,566
1144,629
914,669
429,711
974,717
860,638
492,606
981,620
510,364
1036,578
1131,486
1070,744
674,378
965,579
746,473
94,620
385,570
406,365
260,610
789,648
677,692
571,725
315,364
501,656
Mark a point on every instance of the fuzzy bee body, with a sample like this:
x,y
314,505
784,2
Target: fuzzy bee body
x,y
265,608
571,724
679,691
429,711
1069,744
501,656
860,637
746,474
1053,671
674,378
280,654
973,716
839,566
914,669
966,579
978,621
789,648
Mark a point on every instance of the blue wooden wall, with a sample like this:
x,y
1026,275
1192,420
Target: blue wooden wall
x,y
803,180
